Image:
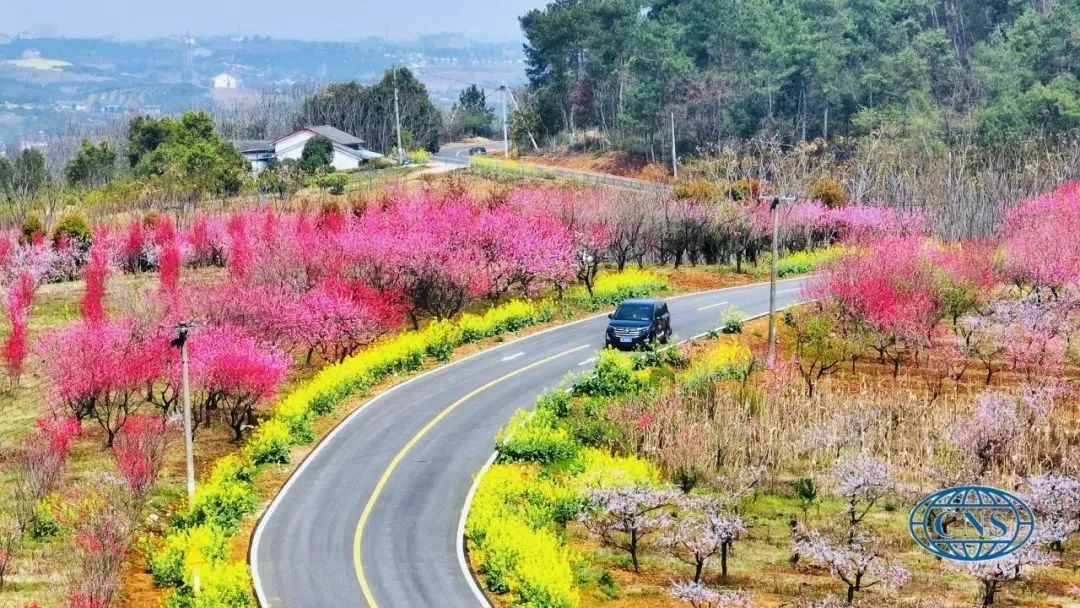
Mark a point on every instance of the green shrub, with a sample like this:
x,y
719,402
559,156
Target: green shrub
x,y
32,225
166,566
529,439
555,404
74,227
269,444
334,182
221,504
221,585
731,322
614,375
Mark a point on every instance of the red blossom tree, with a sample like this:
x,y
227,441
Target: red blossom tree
x,y
101,370
102,538
230,374
19,301
139,450
95,273
40,462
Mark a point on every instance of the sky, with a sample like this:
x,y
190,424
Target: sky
x,y
318,20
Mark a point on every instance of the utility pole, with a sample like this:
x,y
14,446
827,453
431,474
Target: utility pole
x,y
506,128
674,154
774,208
397,121
518,108
180,341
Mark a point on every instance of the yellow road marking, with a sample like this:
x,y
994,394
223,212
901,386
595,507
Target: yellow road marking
x,y
370,506
711,306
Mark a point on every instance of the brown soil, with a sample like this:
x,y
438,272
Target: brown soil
x,y
610,163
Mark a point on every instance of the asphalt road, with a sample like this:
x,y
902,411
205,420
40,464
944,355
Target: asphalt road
x,y
458,154
371,518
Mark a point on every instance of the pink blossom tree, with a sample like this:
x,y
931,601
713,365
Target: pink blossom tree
x,y
1055,499
96,274
100,370
39,464
139,451
231,374
102,537
19,301
1008,569
700,596
621,518
702,532
860,564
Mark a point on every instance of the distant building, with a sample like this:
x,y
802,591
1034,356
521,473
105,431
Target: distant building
x,y
38,143
113,109
224,81
31,54
349,151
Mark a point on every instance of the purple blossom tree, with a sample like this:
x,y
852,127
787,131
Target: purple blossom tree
x,y
700,596
860,564
861,482
622,517
1056,502
988,436
703,533
992,574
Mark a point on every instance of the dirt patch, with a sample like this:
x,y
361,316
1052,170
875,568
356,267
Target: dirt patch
x,y
609,163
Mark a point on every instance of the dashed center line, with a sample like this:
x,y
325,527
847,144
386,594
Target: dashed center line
x,y
513,356
718,304
587,361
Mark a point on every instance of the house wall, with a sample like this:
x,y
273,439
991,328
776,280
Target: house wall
x,y
293,147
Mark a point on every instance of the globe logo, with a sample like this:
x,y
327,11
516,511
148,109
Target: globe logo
x,y
971,523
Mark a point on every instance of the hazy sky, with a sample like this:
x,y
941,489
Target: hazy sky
x,y
306,19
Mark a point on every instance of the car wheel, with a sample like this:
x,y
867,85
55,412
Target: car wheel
x,y
664,337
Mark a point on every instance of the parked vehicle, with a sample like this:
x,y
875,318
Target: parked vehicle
x,y
639,322
478,151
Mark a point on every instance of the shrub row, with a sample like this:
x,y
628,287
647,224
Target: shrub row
x,y
612,288
516,522
802,262
198,537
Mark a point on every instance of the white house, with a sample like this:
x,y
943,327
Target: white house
x,y
349,151
224,80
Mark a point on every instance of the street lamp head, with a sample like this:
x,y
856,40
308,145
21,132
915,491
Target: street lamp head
x,y
180,334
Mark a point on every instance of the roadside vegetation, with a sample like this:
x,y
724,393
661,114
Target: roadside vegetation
x,y
295,313
702,476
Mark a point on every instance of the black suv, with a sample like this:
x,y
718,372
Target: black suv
x,y
638,323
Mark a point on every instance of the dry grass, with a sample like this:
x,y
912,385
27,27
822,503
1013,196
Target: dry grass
x,y
769,421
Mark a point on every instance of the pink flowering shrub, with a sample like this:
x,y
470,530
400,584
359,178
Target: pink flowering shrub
x,y
139,450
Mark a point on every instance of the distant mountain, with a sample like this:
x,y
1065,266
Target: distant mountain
x,y
52,83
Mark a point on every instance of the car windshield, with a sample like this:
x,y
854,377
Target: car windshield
x,y
634,312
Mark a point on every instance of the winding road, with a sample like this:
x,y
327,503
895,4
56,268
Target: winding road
x,y
372,517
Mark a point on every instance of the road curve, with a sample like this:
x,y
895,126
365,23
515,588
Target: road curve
x,y
403,463
458,155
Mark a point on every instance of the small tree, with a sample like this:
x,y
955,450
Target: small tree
x,y
318,154
995,573
860,563
102,536
231,373
20,298
704,532
988,437
818,348
1056,502
91,165
95,273
861,482
39,463
700,596
100,370
139,450
622,517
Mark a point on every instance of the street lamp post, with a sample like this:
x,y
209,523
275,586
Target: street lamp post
x,y
180,341
774,209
